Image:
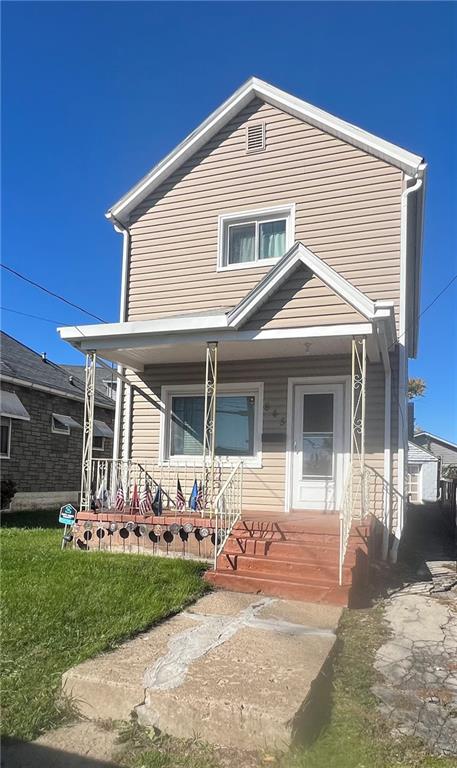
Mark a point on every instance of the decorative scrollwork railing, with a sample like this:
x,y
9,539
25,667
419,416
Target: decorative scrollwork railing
x,y
227,508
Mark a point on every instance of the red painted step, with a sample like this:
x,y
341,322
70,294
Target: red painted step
x,y
285,588
287,550
296,569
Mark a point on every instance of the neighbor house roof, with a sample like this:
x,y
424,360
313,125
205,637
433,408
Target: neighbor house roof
x,y
256,88
436,438
417,453
101,376
22,364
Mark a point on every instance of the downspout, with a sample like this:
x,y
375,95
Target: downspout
x,y
122,318
387,515
402,366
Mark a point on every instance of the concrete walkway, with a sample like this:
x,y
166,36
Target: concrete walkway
x,y
418,664
234,669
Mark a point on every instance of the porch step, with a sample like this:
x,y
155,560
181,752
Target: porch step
x,y
287,550
299,570
286,588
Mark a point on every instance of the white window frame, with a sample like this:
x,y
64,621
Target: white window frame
x,y
95,447
248,389
62,430
257,216
111,388
8,453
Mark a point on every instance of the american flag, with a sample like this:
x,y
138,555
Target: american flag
x,y
157,504
180,500
200,496
120,499
146,500
134,501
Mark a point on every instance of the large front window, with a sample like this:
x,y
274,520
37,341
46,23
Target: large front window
x,y
237,423
255,237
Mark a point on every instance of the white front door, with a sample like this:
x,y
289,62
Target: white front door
x,y
318,446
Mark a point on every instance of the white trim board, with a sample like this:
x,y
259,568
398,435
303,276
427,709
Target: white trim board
x,y
256,88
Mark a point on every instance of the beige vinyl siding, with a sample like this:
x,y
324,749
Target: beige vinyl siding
x,y
303,300
264,489
347,212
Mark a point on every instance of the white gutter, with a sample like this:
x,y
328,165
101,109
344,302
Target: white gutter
x,y
402,367
50,390
122,317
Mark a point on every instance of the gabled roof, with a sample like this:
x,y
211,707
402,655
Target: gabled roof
x,y
419,453
21,363
296,256
435,437
255,88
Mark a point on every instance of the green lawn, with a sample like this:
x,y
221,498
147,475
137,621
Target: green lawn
x,y
59,608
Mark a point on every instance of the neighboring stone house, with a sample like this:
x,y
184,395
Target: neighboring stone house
x,y
42,412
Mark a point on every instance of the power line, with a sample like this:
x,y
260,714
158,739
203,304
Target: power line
x,y
433,301
34,317
51,293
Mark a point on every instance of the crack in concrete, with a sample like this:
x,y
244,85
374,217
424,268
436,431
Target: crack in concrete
x,y
170,670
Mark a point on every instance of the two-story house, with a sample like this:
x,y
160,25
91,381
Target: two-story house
x,y
269,304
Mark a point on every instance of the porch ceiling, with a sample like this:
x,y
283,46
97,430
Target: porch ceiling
x,y
136,350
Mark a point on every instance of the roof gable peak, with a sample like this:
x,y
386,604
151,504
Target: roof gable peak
x,y
252,88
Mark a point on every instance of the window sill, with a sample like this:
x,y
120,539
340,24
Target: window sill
x,y
249,264
253,462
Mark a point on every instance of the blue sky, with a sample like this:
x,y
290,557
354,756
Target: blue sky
x,y
94,94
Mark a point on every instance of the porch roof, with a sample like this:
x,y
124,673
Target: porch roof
x,y
182,338
136,344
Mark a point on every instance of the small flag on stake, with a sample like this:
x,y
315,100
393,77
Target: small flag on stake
x,y
180,500
120,499
146,500
134,501
157,503
193,496
199,504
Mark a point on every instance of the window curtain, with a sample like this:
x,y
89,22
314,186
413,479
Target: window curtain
x,y
272,239
241,244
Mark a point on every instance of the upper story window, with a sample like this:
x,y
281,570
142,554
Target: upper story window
x,y
257,237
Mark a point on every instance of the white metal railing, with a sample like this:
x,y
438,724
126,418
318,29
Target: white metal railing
x,y
356,505
110,475
227,508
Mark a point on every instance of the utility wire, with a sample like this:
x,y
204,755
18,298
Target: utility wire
x,y
433,301
51,293
34,317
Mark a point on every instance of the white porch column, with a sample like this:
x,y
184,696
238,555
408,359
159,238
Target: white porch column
x,y
209,428
88,431
358,397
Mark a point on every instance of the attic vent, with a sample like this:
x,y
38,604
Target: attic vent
x,y
255,137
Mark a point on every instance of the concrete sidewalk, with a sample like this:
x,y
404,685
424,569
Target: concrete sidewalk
x,y
235,669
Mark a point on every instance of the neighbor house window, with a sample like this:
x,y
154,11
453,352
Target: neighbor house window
x,y
59,427
238,422
5,437
255,237
98,443
111,388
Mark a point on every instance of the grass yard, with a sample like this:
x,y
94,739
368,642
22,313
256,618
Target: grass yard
x,y
59,608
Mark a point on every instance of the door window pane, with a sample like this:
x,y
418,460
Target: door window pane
x,y
241,243
318,413
234,425
317,455
318,435
272,239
